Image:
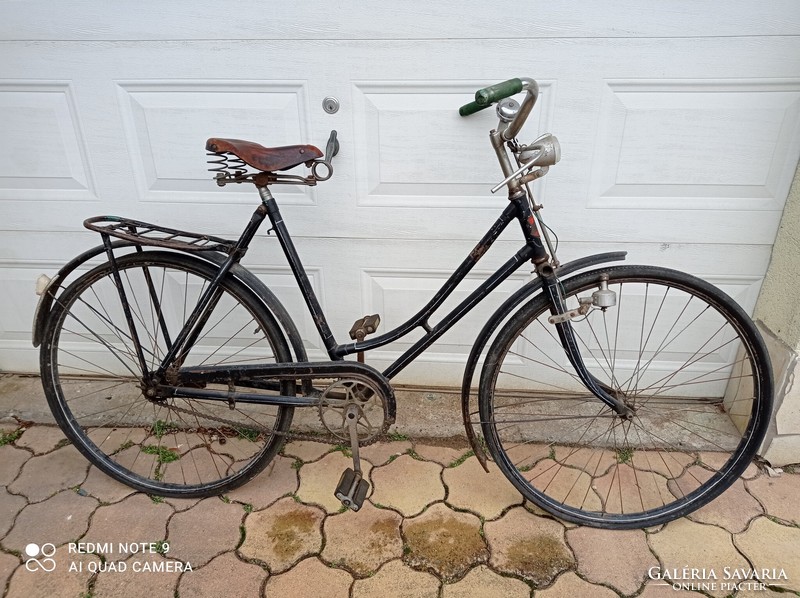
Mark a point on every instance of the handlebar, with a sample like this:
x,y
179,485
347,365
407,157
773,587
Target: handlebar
x,y
485,97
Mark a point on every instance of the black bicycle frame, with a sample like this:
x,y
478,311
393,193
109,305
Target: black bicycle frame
x,y
518,208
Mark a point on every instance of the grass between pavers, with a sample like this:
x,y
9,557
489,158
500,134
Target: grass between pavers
x,y
9,437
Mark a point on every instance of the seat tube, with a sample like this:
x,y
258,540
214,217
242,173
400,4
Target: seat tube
x,y
299,272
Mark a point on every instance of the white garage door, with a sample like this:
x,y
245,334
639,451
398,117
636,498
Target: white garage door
x,y
680,130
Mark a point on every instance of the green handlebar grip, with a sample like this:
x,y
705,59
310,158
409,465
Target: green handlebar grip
x,y
470,108
485,97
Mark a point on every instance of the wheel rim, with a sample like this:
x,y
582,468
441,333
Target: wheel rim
x,y
672,356
162,445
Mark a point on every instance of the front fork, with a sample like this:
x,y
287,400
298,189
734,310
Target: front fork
x,y
552,287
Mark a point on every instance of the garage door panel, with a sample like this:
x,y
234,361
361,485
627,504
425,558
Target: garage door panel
x,y
696,145
168,122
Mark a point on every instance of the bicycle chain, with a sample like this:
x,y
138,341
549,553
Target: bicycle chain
x,y
289,435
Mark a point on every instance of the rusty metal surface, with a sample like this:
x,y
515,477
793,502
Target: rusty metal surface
x,y
143,233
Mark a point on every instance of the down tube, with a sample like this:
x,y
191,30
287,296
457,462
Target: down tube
x,y
491,283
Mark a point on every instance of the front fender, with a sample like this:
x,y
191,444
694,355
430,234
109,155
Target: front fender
x,y
502,312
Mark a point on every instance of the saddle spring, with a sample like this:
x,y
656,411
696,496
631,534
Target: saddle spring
x,y
227,165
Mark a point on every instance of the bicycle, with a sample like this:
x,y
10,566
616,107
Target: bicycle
x,y
617,397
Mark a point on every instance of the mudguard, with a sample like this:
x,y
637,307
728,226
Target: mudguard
x,y
498,317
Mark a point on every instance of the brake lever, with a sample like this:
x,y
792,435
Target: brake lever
x,y
332,147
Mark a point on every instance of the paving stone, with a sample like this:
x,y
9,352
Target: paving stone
x,y
41,439
45,475
380,452
482,582
135,519
626,490
225,575
445,542
658,589
284,533
396,580
181,504
685,543
10,505
310,578
444,455
59,581
362,541
306,450
8,562
618,558
565,484
670,464
318,480
529,546
717,460
778,495
146,575
204,531
570,585
110,440
57,520
593,461
278,479
733,509
407,485
104,487
12,459
471,488
769,545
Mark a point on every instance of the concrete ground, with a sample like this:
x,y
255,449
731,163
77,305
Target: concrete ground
x,y
434,525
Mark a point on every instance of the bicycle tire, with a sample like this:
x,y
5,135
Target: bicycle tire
x,y
163,446
700,388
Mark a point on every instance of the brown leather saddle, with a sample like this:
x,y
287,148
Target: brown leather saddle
x,y
265,159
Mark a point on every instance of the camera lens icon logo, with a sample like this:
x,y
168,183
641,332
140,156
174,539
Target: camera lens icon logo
x,y
45,551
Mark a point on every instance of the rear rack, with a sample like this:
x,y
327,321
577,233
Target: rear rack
x,y
144,233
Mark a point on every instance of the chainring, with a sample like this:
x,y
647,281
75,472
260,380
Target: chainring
x,y
373,420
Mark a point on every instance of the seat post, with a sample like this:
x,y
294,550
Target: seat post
x,y
298,270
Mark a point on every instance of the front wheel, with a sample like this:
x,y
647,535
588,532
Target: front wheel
x,y
681,354
93,376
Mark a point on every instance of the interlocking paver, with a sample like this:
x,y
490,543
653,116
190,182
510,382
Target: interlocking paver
x,y
104,487
45,475
532,547
407,485
318,480
769,545
282,534
145,575
41,439
717,460
683,542
471,488
306,450
396,580
659,589
566,484
8,562
733,509
380,452
12,459
310,578
444,541
778,495
225,575
59,581
204,531
10,505
362,541
570,585
444,455
278,479
618,558
482,582
135,519
57,520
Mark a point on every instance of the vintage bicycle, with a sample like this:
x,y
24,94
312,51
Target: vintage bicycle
x,y
618,397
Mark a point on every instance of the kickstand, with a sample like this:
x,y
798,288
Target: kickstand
x,y
352,488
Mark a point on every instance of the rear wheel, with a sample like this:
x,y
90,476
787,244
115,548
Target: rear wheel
x,y
680,353
94,383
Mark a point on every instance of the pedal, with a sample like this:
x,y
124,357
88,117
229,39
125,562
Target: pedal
x,y
366,325
352,489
